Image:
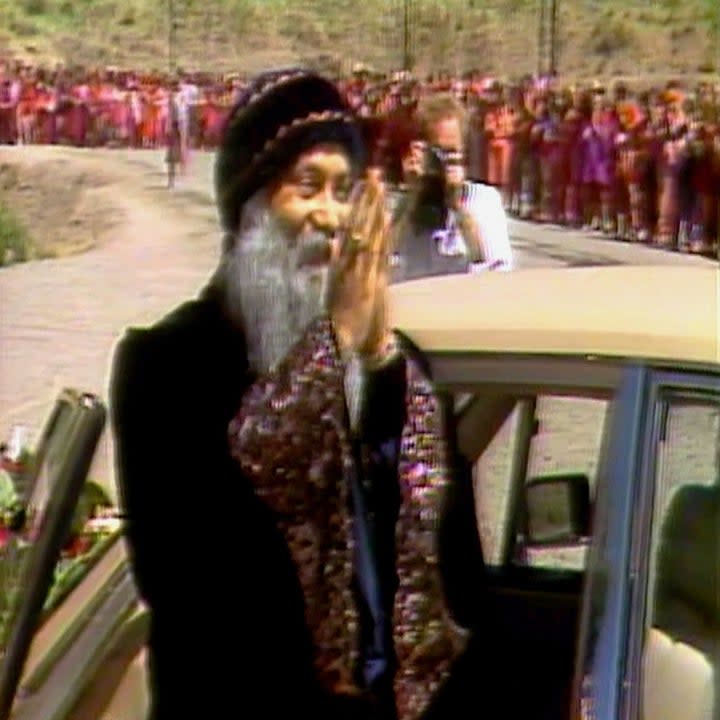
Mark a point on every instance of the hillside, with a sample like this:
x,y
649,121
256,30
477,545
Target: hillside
x,y
597,37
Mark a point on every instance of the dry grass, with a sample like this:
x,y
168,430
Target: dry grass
x,y
598,37
56,210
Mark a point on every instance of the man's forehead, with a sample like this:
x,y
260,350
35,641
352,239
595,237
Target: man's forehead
x,y
328,158
447,132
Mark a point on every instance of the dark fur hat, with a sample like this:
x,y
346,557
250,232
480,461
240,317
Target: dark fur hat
x,y
280,115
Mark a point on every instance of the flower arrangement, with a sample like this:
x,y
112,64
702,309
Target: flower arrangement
x,y
94,527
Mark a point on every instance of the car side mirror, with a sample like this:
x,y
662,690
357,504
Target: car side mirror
x,y
557,509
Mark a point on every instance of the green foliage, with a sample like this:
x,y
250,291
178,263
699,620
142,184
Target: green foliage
x,y
35,7
7,489
93,496
8,495
12,565
14,238
711,13
68,571
229,35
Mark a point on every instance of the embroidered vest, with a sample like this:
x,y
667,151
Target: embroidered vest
x,y
291,437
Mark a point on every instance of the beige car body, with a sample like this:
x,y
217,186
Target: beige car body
x,y
665,313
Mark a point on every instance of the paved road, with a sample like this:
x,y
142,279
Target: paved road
x,y
59,319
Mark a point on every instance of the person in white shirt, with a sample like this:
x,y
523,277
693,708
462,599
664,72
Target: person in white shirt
x,y
444,223
190,99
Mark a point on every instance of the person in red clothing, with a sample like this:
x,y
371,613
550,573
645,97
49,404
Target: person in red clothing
x,y
672,135
27,109
703,183
501,126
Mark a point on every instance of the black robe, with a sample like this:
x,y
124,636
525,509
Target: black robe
x,y
228,633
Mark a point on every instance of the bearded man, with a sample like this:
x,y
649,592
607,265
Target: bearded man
x,y
285,546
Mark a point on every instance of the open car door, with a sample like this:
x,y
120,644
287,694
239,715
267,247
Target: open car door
x,y
64,623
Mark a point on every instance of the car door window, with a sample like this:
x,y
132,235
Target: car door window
x,y
491,479
27,567
596,687
682,618
568,437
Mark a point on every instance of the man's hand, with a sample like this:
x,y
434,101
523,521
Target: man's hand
x,y
454,181
415,163
359,283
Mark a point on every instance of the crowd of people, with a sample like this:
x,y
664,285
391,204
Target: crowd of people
x,y
636,163
335,503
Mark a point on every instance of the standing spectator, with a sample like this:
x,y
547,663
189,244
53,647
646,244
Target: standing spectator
x,y
598,143
443,223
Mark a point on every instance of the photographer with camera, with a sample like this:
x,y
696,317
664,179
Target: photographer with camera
x,y
442,223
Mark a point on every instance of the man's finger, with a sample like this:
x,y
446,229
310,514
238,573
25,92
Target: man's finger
x,y
357,191
381,230
363,218
362,243
357,211
379,244
353,235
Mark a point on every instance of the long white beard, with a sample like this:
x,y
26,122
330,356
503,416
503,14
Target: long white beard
x,y
270,289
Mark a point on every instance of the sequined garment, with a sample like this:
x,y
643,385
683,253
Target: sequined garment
x,y
291,438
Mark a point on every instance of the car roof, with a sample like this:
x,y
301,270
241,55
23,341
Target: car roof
x,y
649,312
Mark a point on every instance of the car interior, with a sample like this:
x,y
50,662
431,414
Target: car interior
x,y
683,643
524,645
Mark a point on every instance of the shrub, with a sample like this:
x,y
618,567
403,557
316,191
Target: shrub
x,y
610,37
707,66
14,238
35,7
23,27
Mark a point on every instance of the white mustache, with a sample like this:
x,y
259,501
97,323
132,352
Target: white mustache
x,y
314,249
276,285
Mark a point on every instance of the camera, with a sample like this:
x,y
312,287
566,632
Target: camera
x,y
434,161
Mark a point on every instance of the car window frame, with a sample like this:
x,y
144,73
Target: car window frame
x,y
610,552
505,375
484,371
87,423
663,386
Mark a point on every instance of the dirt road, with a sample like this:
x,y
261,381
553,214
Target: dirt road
x,y
60,318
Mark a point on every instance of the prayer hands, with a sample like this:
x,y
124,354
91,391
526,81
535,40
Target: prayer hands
x,y
358,302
